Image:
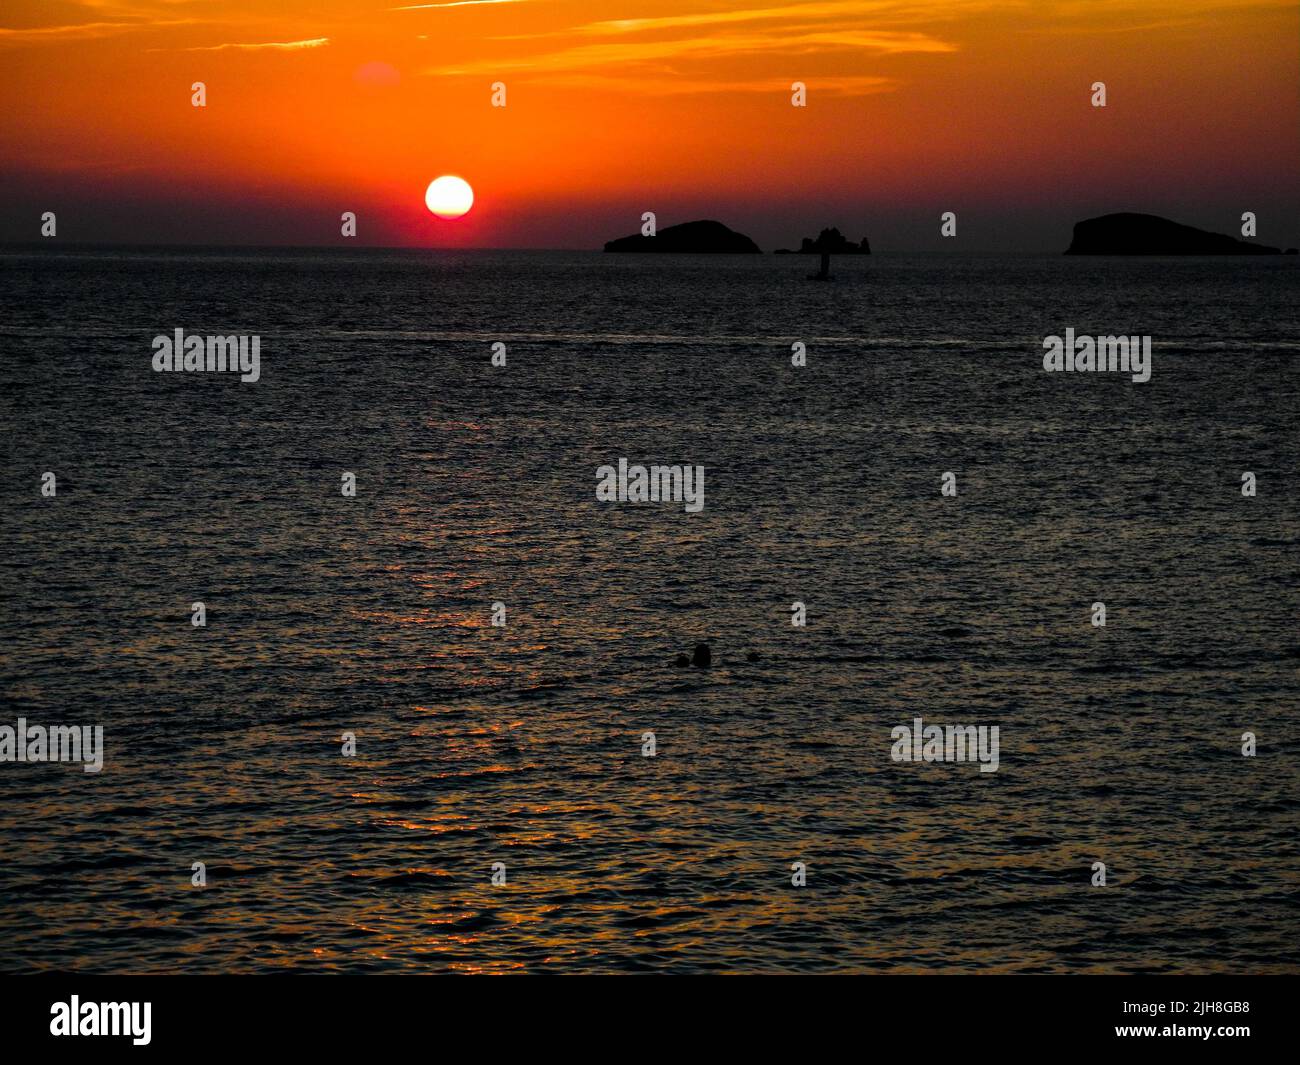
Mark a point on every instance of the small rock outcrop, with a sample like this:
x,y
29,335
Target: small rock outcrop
x,y
830,242
705,236
1149,234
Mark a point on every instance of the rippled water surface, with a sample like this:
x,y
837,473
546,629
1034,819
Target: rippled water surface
x,y
523,745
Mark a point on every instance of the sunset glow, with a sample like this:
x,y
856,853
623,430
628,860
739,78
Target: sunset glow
x,y
615,107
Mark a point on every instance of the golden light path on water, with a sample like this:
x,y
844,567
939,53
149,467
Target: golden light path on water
x,y
476,744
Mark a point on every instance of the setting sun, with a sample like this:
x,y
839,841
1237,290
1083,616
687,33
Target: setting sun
x,y
449,196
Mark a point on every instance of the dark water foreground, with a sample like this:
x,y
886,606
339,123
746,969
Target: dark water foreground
x,y
523,745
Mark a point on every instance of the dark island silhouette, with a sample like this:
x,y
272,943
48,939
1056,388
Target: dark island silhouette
x,y
694,237
1149,234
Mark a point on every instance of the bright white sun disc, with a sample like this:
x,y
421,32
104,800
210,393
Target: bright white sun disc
x,y
449,196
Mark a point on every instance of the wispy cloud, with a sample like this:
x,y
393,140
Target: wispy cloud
x,y
287,46
824,14
847,85
588,56
699,51
82,31
454,3
854,10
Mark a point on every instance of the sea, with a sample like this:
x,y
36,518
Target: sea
x,y
504,809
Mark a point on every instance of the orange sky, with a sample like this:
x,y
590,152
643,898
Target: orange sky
x,y
615,107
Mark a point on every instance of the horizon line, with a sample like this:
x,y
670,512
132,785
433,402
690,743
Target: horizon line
x,y
55,243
